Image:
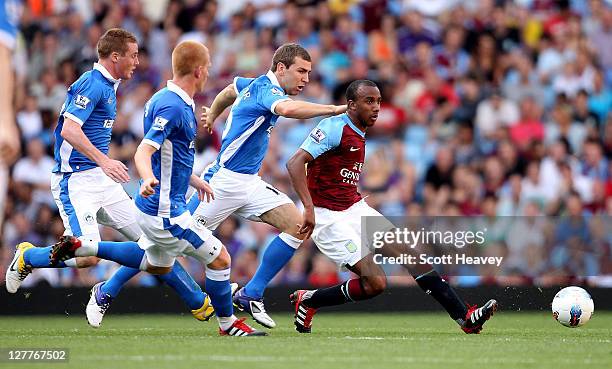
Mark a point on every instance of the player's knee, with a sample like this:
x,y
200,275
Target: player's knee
x,y
374,286
292,240
158,270
87,261
223,261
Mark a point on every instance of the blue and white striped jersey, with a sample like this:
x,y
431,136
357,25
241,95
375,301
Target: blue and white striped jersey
x,y
92,103
170,125
10,11
249,124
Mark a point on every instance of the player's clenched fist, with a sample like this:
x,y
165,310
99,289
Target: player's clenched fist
x,y
207,119
148,187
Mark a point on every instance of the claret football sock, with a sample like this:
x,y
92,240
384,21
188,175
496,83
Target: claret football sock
x,y
351,290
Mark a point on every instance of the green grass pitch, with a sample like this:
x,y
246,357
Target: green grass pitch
x,y
410,340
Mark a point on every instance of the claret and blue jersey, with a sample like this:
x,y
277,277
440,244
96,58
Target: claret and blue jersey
x,y
92,103
249,125
170,125
338,150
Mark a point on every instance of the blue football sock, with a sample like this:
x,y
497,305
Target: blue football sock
x,y
38,257
220,292
125,253
274,259
188,290
114,284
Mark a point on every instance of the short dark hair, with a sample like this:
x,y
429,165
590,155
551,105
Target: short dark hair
x,y
351,90
287,53
115,40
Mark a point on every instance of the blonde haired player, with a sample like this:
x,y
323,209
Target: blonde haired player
x,y
86,182
164,160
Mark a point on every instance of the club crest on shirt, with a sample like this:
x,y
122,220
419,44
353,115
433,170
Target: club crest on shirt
x,y
81,101
200,221
351,246
276,91
317,135
89,218
159,123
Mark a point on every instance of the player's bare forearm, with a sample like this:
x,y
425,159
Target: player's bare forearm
x,y
114,169
142,159
305,110
73,133
296,166
224,99
193,180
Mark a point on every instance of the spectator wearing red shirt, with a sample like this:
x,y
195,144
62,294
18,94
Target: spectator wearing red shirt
x,y
529,128
439,97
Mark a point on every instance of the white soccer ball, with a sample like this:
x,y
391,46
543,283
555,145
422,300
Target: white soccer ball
x,y
572,307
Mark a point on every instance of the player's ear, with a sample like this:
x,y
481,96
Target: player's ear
x,y
352,105
115,57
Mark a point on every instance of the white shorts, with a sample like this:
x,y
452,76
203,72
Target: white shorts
x,y
245,195
88,198
338,234
166,238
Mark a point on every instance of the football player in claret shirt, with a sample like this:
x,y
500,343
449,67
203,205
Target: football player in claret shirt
x,y
334,154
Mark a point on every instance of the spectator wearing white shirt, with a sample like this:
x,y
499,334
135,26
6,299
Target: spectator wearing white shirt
x,y
35,169
492,115
533,189
29,119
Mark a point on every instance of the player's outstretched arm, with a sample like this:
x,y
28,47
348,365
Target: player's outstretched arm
x,y
142,159
223,99
73,133
305,110
296,166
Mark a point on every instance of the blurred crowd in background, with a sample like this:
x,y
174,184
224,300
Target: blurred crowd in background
x,y
495,108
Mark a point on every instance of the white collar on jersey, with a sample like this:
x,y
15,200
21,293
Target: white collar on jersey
x,y
100,68
182,94
273,78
